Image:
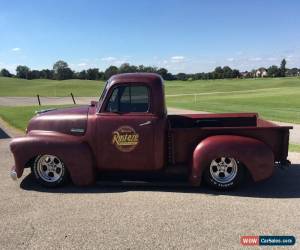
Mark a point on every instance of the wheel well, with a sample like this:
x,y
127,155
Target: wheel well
x,y
246,171
30,163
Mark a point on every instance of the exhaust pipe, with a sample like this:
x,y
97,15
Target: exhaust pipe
x,y
13,175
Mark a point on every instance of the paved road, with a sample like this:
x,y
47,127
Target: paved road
x,y
143,217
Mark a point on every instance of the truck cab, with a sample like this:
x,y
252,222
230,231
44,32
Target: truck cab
x,y
131,123
129,131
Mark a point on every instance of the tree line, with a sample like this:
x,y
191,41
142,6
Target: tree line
x,y
62,71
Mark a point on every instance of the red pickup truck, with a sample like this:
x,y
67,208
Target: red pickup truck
x,y
129,133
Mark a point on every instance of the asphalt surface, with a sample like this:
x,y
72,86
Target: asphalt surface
x,y
118,216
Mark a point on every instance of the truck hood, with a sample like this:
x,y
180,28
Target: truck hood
x,y
68,120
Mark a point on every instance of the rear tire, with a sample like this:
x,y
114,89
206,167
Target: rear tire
x,y
49,171
224,173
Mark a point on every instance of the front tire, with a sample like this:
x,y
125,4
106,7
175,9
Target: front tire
x,y
49,171
224,173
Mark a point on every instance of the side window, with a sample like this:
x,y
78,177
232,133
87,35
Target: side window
x,y
113,104
139,99
127,99
124,100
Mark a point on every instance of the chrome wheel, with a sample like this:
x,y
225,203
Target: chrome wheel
x,y
223,170
50,168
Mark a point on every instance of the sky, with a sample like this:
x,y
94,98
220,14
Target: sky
x,y
180,35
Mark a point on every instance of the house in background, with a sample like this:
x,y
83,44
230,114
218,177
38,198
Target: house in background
x,y
261,72
293,72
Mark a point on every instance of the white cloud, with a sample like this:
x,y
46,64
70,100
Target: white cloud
x,y
15,49
230,59
291,58
109,59
174,64
120,62
272,59
78,66
10,67
117,61
177,59
82,64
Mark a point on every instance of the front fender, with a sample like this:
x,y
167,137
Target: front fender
x,y
75,153
254,154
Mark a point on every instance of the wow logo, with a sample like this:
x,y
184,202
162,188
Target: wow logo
x,y
125,138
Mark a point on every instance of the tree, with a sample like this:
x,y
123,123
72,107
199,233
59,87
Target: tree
x,y
46,74
218,73
92,74
150,69
274,71
182,76
110,71
22,72
210,75
127,68
164,73
101,75
62,70
227,72
236,73
59,65
82,75
5,73
198,76
141,68
282,68
34,74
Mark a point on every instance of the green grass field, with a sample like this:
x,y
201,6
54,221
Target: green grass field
x,y
19,117
276,99
282,104
44,87
294,148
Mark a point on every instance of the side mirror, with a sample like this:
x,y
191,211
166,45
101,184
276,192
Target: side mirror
x,y
93,103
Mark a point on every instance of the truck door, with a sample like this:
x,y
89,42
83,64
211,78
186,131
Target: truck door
x,y
125,129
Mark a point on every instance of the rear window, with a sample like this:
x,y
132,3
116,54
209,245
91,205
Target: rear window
x,y
125,99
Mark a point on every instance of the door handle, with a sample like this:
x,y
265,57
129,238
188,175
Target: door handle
x,y
145,123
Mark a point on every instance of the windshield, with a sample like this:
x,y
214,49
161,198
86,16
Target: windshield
x,y
103,95
104,92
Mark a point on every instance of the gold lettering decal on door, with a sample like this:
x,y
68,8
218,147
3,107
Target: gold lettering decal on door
x,y
125,138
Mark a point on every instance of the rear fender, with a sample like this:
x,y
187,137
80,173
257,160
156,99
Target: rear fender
x,y
75,153
254,154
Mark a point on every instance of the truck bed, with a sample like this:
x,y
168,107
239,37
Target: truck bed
x,y
186,131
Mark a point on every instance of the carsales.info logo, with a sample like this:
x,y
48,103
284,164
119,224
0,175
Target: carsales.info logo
x,y
268,240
